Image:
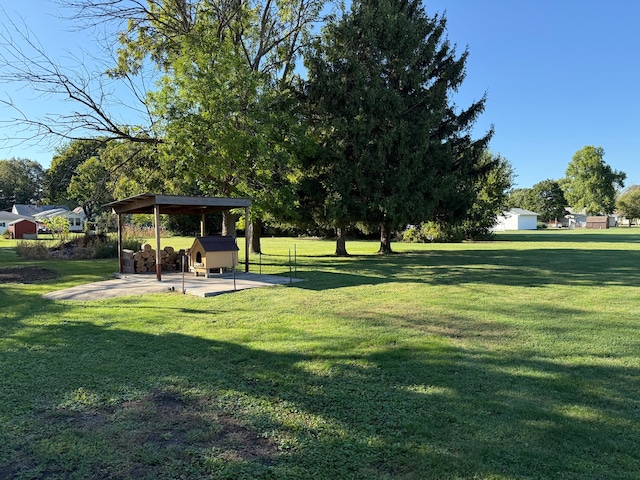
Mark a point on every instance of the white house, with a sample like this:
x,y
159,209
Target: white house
x,y
41,213
76,220
517,219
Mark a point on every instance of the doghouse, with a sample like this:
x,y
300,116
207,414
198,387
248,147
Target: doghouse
x,y
209,255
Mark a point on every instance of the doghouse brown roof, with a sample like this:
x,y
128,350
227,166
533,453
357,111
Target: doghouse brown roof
x,y
176,204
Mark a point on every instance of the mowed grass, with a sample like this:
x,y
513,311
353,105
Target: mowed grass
x,y
512,359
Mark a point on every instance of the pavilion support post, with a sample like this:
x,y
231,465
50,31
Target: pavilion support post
x,y
203,226
120,264
156,211
246,239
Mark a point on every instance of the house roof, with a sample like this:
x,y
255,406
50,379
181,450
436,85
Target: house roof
x,y
9,216
521,211
30,220
176,204
217,244
31,210
53,212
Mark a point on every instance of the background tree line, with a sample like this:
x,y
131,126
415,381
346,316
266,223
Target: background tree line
x,y
589,185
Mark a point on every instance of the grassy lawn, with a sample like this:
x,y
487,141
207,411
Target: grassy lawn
x,y
512,359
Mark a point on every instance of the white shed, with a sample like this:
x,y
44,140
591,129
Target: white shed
x,y
517,219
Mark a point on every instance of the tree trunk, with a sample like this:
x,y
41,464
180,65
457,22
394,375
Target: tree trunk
x,y
228,224
385,238
254,230
341,241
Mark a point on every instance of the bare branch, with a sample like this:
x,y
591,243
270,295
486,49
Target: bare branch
x,y
93,97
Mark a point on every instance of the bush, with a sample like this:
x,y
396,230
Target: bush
x,y
6,234
33,250
432,232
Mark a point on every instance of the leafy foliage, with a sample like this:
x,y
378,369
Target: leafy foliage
x,y
521,198
628,203
590,183
491,187
64,166
548,201
59,226
20,182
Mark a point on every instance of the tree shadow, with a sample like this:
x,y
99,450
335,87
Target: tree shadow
x,y
532,268
87,400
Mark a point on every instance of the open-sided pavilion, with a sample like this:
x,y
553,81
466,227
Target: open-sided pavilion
x,y
173,205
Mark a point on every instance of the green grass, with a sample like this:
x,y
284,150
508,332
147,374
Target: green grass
x,y
513,359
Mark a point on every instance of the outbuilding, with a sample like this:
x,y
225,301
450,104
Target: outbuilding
x,y
157,204
517,219
598,222
23,228
6,218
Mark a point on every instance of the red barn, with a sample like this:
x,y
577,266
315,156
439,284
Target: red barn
x,y
19,228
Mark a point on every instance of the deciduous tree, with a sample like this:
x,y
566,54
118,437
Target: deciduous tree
x,y
590,183
64,166
521,198
548,201
21,181
628,203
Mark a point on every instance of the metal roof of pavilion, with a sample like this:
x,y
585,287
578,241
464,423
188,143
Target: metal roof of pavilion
x,y
177,204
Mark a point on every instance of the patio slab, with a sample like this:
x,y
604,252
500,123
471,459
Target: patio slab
x,y
137,284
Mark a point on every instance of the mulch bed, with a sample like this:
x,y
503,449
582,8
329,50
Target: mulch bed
x,y
26,274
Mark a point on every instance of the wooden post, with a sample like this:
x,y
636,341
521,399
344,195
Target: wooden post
x,y
156,211
202,225
120,264
246,239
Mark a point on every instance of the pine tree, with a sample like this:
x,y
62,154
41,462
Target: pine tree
x,y
394,149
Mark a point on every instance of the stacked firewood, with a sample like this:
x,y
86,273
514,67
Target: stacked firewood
x,y
144,260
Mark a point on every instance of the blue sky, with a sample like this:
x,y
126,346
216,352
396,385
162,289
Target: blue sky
x,y
558,75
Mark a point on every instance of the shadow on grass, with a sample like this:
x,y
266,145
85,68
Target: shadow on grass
x,y
93,401
534,267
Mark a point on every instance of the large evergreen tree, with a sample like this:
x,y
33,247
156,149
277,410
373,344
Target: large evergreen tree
x,y
394,149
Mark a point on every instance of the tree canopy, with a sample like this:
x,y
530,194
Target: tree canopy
x,y
590,183
20,182
628,203
393,149
547,200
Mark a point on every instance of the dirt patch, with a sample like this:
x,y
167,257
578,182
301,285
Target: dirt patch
x,y
152,435
26,274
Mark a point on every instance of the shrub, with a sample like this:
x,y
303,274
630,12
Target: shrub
x,y
433,232
33,250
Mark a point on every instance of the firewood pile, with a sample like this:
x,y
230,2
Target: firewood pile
x,y
144,260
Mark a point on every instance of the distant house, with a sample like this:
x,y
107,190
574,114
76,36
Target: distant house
x,y
31,210
23,228
41,213
517,219
76,220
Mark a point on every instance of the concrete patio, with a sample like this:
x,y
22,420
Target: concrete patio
x,y
137,284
